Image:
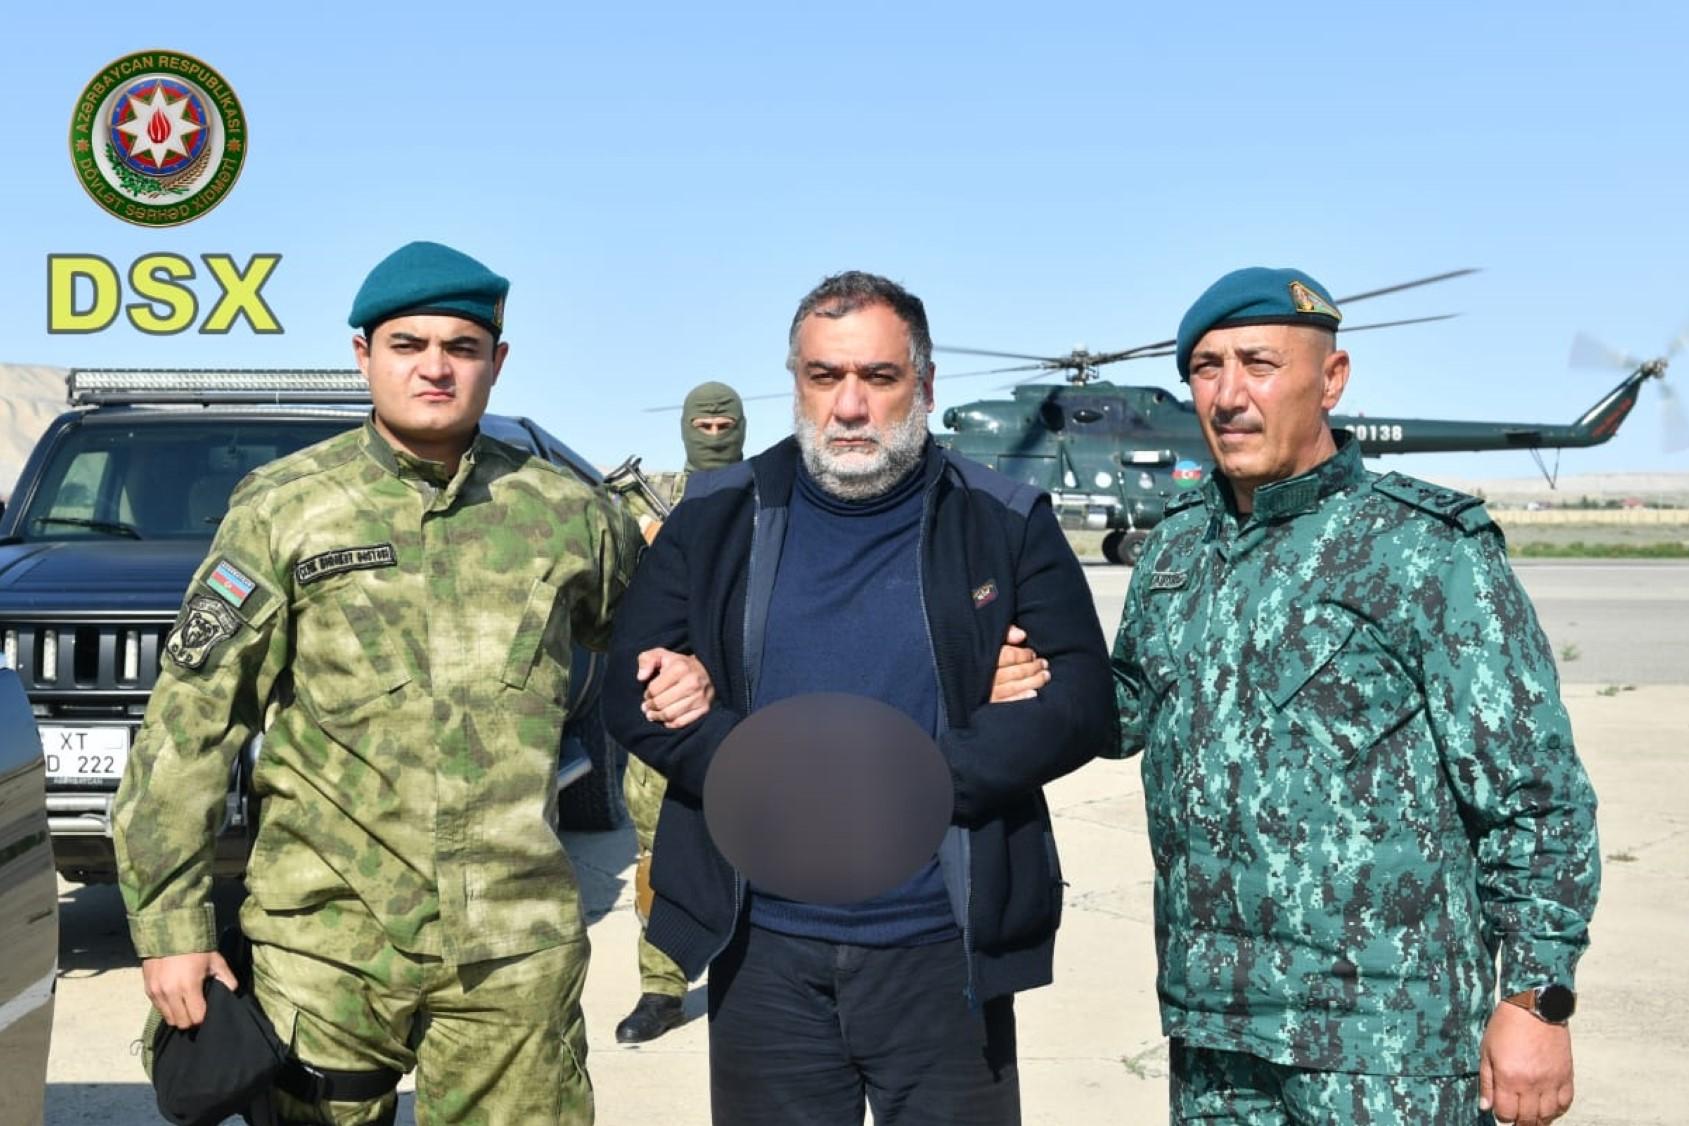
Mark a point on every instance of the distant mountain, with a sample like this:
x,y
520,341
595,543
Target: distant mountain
x,y
30,398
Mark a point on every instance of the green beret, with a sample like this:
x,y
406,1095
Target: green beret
x,y
425,277
1255,296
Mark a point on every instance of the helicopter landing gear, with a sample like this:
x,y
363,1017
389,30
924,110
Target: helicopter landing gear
x,y
1124,547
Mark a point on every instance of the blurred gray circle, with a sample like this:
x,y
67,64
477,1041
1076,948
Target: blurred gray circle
x,y
828,798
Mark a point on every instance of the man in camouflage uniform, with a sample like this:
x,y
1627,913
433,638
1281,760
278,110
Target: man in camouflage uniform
x,y
1360,780
712,428
402,599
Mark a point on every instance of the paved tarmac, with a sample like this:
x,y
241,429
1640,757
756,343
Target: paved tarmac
x,y
1090,1046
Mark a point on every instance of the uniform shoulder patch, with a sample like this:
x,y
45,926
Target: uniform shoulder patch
x,y
1184,500
230,583
1462,510
205,623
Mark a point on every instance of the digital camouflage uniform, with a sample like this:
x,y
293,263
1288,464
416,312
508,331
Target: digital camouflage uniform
x,y
643,787
1360,781
416,631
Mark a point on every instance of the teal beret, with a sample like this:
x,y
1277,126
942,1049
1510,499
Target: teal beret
x,y
1255,296
425,277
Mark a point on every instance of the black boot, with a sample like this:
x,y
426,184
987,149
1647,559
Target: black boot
x,y
655,1014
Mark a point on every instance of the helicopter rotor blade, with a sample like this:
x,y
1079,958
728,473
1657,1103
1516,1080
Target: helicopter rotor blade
x,y
1588,352
787,394
1434,278
1680,342
1144,352
991,371
1001,355
1072,361
1346,329
1165,347
742,399
1125,354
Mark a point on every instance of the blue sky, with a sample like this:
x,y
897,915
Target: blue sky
x,y
662,182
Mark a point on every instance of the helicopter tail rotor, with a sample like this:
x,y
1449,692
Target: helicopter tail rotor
x,y
1588,352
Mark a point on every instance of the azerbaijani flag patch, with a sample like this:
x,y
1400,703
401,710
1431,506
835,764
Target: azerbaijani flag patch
x,y
228,582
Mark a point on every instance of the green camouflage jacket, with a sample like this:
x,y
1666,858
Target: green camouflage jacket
x,y
417,634
1360,780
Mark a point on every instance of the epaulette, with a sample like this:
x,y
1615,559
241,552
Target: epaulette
x,y
304,463
1182,501
1462,510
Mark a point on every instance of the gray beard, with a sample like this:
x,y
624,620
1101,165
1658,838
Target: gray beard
x,y
851,476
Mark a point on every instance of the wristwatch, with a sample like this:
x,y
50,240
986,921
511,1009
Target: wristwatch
x,y
1551,1003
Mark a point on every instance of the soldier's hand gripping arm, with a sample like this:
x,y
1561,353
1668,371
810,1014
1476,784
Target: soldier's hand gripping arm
x,y
219,663
679,691
1493,696
677,687
657,616
1021,672
1004,752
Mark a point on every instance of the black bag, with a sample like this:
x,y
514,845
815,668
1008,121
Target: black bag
x,y
203,1075
234,1060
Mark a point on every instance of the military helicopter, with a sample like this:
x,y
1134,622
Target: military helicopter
x,y
1111,457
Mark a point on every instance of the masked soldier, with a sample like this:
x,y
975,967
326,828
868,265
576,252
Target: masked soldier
x,y
1360,779
712,427
403,600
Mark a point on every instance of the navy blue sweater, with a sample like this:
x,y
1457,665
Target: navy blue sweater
x,y
992,554
846,616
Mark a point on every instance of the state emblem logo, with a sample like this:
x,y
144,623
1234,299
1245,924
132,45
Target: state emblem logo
x,y
1307,301
157,138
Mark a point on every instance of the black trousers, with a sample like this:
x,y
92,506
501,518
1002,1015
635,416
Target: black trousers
x,y
802,1031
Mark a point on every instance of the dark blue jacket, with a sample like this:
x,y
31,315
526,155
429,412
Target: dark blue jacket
x,y
991,555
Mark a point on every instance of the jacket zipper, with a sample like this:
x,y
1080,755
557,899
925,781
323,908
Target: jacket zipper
x,y
944,725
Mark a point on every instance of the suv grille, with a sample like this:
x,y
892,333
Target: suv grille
x,y
52,657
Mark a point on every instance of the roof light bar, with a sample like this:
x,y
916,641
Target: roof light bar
x,y
88,386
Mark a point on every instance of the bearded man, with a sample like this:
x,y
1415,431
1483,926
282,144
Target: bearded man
x,y
858,556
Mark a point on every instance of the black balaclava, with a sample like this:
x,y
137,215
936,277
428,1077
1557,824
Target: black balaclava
x,y
712,451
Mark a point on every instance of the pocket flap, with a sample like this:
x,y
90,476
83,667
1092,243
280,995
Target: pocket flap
x,y
1304,652
529,641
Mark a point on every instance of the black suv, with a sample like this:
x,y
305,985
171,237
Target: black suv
x,y
115,509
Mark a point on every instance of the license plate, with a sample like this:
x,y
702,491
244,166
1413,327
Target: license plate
x,y
85,754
